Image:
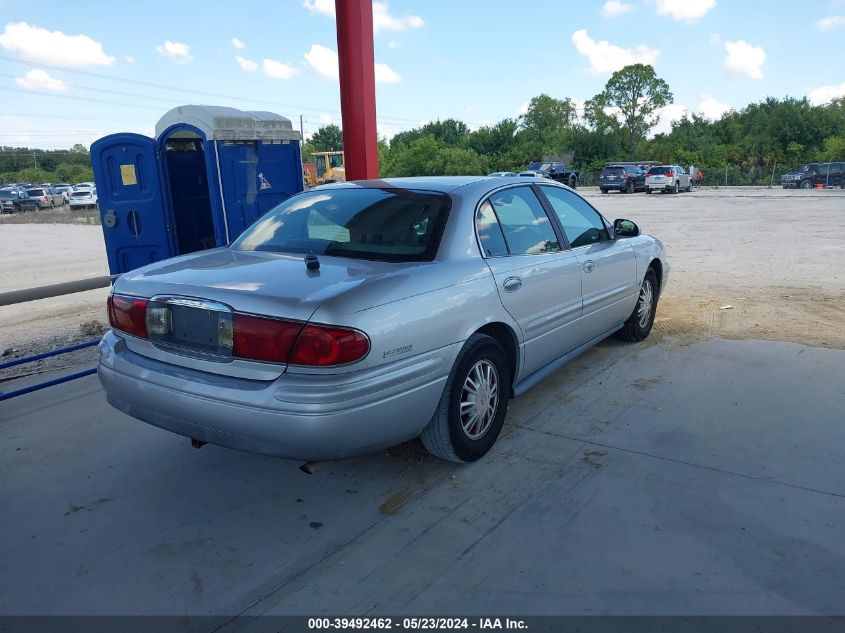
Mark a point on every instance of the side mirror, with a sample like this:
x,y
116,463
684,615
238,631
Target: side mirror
x,y
625,228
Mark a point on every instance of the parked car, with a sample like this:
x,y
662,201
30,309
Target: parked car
x,y
65,190
623,178
358,315
502,174
47,197
812,174
88,185
16,201
529,173
556,171
673,178
83,197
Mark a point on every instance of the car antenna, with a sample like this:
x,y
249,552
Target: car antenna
x,y
312,263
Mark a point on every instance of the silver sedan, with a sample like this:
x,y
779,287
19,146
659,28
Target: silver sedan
x,y
358,315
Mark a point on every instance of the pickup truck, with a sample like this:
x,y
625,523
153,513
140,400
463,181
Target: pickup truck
x,y
556,171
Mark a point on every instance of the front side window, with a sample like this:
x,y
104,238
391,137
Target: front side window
x,y
581,223
524,223
360,223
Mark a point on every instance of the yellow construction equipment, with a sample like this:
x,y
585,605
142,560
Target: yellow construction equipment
x,y
326,167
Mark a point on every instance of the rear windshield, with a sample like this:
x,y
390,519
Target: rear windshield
x,y
81,194
613,170
35,192
8,195
378,224
659,171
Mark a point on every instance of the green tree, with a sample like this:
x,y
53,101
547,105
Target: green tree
x,y
546,126
636,93
328,138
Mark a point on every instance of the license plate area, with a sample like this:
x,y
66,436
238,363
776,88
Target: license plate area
x,y
190,327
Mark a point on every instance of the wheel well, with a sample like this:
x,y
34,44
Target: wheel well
x,y
506,338
657,267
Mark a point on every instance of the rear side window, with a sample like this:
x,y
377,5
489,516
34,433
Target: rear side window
x,y
525,225
581,223
490,232
360,223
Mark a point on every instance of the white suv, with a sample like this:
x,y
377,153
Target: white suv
x,y
672,178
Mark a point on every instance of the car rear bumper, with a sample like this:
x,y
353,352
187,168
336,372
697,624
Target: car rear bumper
x,y
297,416
660,186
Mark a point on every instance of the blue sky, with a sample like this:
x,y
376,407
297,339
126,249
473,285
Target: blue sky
x,y
71,72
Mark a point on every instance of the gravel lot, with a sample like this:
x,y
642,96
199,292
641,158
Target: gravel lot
x,y
742,247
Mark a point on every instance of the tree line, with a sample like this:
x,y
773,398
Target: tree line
x,y
752,145
24,164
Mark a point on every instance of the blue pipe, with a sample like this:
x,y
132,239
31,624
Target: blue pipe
x,y
32,359
49,383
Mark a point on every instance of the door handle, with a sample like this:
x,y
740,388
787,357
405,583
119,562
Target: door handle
x,y
512,284
589,266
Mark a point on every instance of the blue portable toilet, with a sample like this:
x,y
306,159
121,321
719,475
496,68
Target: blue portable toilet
x,y
209,173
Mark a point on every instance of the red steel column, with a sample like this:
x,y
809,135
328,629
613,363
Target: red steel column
x,y
357,87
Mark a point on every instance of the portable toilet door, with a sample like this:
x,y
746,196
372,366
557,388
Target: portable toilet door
x,y
134,210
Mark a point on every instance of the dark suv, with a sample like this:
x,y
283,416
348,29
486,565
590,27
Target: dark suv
x,y
812,174
624,178
554,170
16,200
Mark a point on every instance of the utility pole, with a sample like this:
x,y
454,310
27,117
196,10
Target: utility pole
x,y
35,160
301,132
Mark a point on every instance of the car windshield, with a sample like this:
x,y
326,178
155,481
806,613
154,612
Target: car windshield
x,y
659,171
810,167
539,166
361,223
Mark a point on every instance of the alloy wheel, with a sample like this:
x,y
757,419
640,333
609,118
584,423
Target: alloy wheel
x,y
479,399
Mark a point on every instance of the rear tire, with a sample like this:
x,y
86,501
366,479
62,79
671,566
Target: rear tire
x,y
689,186
466,423
573,182
677,187
629,188
647,190
604,190
639,324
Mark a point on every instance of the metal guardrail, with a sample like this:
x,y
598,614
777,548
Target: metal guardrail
x,y
47,292
55,290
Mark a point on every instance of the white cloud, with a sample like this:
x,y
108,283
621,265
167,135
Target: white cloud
x,y
238,44
606,58
615,8
38,79
711,108
177,51
325,119
523,109
831,23
825,94
246,64
129,59
684,10
323,61
53,47
668,115
393,44
744,60
382,19
277,69
386,75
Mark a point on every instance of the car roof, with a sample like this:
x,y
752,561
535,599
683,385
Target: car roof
x,y
442,184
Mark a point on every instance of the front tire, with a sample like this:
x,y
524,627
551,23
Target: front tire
x,y
639,324
806,184
472,409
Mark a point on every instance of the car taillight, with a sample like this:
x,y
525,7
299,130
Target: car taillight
x,y
321,346
128,314
624,174
45,198
258,338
